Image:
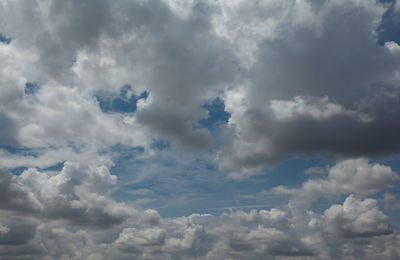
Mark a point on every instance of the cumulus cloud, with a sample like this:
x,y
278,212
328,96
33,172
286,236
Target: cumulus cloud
x,y
296,77
77,219
292,63
349,176
356,218
301,96
77,195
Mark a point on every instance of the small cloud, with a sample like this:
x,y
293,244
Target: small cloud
x,y
390,202
4,230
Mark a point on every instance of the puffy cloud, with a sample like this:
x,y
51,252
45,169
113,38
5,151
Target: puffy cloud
x,y
290,61
295,76
97,46
77,194
315,87
318,110
256,234
362,177
356,218
348,176
285,232
16,197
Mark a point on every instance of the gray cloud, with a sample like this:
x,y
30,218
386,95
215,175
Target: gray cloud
x,y
185,56
7,128
19,233
288,231
325,66
15,197
296,76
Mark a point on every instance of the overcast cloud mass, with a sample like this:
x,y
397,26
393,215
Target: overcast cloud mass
x,y
199,129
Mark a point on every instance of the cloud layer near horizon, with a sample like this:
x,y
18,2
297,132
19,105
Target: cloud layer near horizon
x,y
70,214
295,77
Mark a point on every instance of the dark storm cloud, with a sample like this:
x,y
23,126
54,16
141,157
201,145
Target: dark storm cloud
x,y
337,89
341,135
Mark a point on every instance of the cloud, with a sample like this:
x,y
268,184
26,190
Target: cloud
x,y
397,6
289,61
288,231
77,195
15,197
316,109
356,218
314,87
97,46
390,202
348,176
296,77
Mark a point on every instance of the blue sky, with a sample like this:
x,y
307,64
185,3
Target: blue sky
x,y
199,129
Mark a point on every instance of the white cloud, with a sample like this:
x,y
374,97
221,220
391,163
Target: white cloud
x,y
285,232
318,109
356,218
296,76
348,176
3,230
78,195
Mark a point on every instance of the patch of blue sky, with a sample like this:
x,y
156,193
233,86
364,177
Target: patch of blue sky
x,y
217,117
18,150
56,167
291,171
4,39
125,102
160,144
31,88
24,151
18,170
216,114
183,184
389,29
125,152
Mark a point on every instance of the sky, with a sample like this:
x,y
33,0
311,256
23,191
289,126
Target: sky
x,y
199,129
